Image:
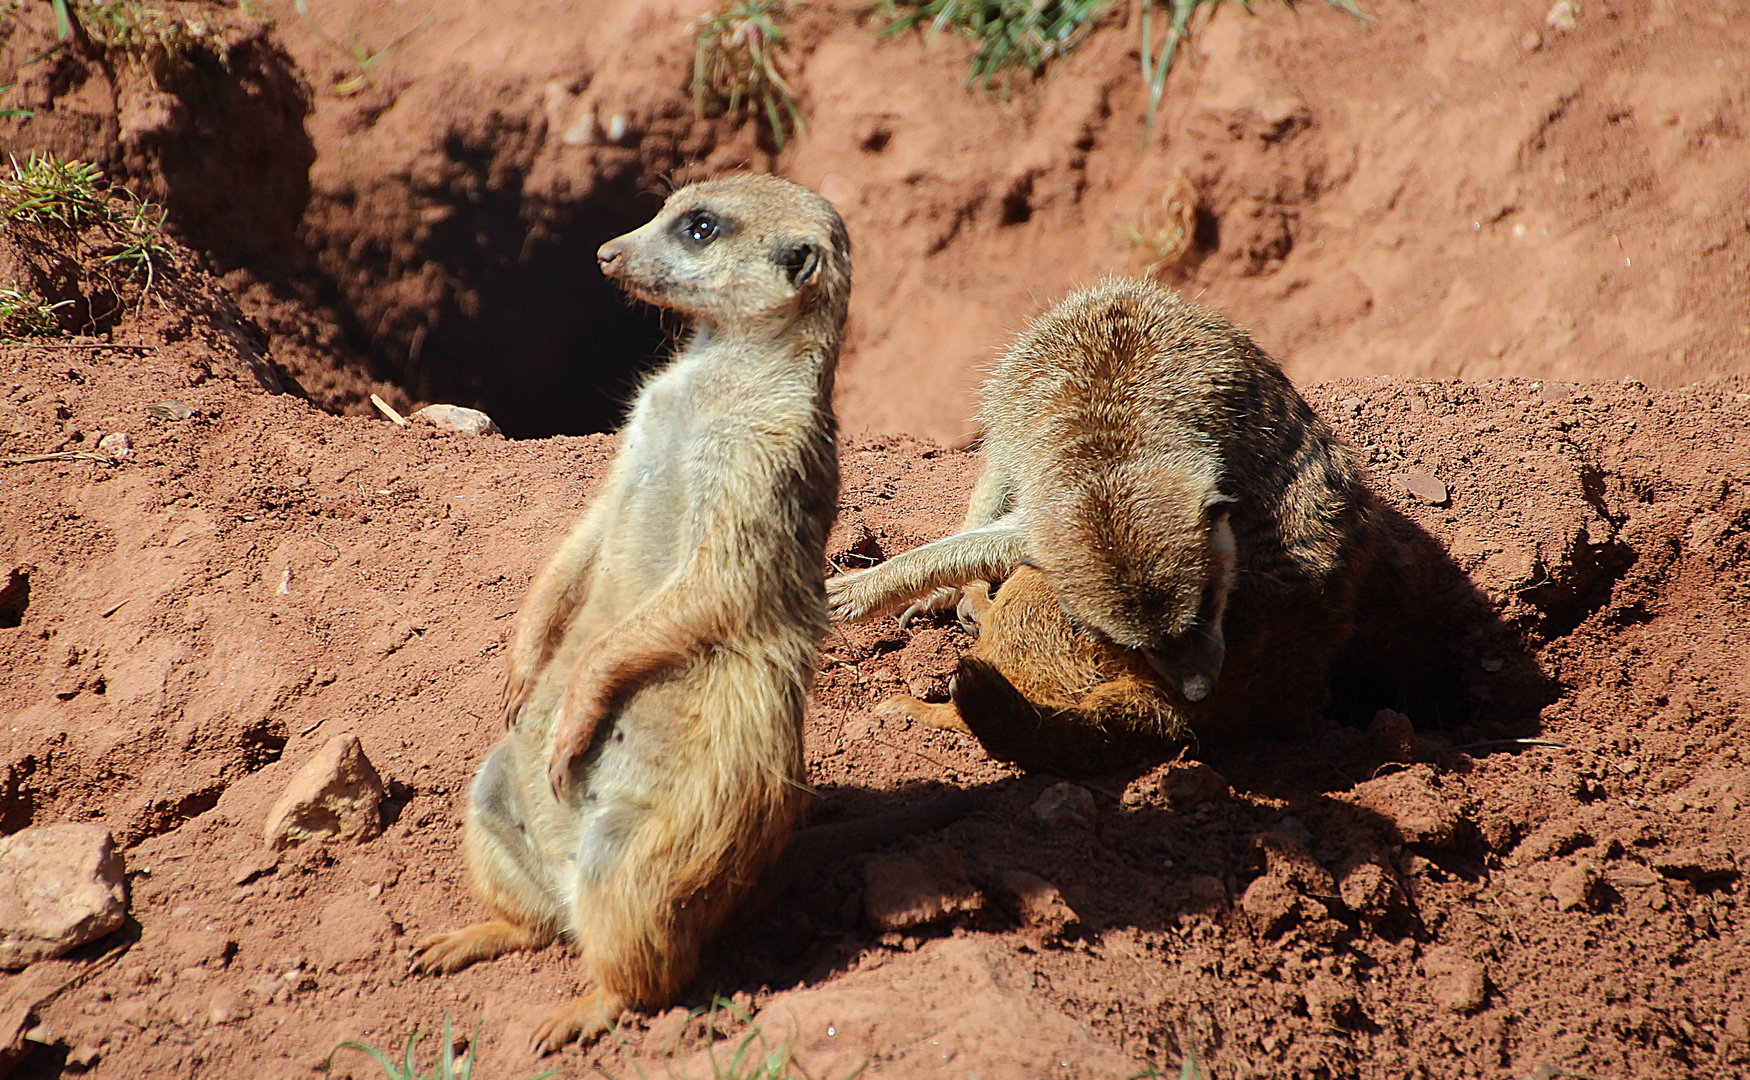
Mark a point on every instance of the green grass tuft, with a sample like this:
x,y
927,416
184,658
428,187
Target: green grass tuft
x,y
43,188
24,316
362,56
1010,34
443,1068
1028,34
735,66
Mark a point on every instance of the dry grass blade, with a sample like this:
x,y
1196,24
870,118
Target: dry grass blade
x,y
1168,230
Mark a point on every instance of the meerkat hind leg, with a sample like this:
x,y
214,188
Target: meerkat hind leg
x,y
944,716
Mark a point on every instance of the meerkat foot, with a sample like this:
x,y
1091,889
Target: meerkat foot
x,y
454,950
945,716
943,599
583,1017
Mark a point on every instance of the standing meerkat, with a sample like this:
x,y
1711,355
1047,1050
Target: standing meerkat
x,y
661,661
1178,497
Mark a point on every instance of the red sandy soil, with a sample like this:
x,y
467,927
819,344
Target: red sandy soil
x,y
263,575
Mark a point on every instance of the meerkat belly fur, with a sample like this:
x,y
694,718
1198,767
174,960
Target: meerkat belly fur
x,y
1180,500
661,661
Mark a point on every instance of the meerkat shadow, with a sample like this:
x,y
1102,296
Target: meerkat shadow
x,y
1430,644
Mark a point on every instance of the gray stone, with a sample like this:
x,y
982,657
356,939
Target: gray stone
x,y
60,887
1423,485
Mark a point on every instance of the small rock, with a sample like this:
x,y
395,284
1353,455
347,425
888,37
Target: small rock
x,y
1700,862
1564,15
84,1056
1065,806
169,409
457,420
60,887
258,865
1554,393
852,544
1423,485
904,891
337,795
1179,784
1287,859
1418,405
1351,405
224,1007
1578,885
116,444
1455,981
1531,41
1037,904
1394,737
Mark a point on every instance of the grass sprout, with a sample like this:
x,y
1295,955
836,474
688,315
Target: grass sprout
x,y
137,31
735,66
444,1068
24,316
44,188
362,56
1009,34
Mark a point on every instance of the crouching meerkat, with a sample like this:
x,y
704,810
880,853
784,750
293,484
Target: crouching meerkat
x,y
1181,503
660,664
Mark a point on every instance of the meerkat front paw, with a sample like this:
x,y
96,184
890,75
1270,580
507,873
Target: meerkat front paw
x,y
453,950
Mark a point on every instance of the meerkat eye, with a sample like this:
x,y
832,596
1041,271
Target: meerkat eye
x,y
700,228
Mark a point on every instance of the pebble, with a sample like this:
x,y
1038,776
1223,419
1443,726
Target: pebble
x,y
1065,806
169,409
337,795
116,444
1532,41
1564,15
1423,485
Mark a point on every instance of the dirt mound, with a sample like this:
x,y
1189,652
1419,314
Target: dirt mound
x,y
1541,872
1433,193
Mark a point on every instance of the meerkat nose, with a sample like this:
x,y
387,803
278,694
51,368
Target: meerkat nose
x,y
609,256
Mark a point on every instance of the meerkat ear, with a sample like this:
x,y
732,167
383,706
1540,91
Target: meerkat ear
x,y
801,263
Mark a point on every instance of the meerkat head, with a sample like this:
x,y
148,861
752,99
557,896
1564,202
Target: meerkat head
x,y
1147,564
747,249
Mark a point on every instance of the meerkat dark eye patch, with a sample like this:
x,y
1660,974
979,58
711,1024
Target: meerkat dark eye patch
x,y
800,262
699,228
